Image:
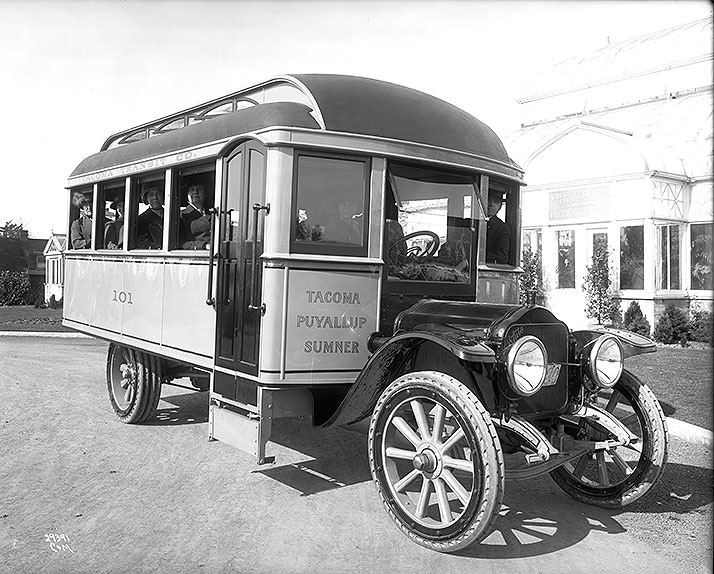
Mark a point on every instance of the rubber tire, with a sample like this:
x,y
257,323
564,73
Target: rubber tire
x,y
148,383
652,460
479,523
199,383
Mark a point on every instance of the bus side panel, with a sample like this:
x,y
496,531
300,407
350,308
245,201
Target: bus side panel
x,y
188,323
79,290
330,316
271,326
108,296
144,286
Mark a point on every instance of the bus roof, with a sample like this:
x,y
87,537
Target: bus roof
x,y
243,121
335,103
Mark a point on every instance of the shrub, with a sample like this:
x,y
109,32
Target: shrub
x,y
532,277
14,288
701,326
635,321
600,302
672,326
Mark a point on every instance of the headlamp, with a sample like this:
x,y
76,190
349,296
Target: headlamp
x,y
526,365
605,361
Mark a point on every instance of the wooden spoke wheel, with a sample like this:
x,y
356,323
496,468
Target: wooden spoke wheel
x,y
616,477
436,460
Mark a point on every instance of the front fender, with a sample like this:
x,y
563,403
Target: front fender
x,y
632,343
387,362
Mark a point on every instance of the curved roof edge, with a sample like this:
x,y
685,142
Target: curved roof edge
x,y
243,121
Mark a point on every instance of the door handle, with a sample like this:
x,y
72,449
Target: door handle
x,y
253,306
210,301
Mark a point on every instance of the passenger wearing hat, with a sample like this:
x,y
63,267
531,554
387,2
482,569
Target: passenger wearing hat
x,y
498,233
80,233
195,230
114,230
151,223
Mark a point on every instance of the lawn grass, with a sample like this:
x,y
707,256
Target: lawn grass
x,y
25,318
681,379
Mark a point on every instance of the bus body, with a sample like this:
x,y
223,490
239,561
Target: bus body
x,y
346,265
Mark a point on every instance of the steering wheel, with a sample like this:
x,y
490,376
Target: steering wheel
x,y
415,251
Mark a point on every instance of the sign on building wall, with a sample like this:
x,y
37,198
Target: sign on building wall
x,y
586,204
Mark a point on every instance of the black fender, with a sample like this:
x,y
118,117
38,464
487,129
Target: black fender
x,y
632,343
386,364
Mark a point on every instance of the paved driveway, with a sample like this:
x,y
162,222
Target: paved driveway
x,y
82,492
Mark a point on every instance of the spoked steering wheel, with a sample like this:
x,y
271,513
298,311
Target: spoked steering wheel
x,y
417,252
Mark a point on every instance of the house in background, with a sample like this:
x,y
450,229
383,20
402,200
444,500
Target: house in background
x,y
617,147
54,266
35,267
19,253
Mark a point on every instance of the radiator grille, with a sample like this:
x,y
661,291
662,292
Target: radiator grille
x,y
554,336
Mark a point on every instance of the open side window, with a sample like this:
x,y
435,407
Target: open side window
x,y
502,224
110,216
193,195
81,218
429,227
147,211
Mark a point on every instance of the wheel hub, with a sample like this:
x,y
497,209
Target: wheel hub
x,y
128,374
425,461
428,461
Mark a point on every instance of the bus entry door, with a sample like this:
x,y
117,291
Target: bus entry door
x,y
238,296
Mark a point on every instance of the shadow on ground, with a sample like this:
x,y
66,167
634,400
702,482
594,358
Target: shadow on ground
x,y
536,517
186,408
531,525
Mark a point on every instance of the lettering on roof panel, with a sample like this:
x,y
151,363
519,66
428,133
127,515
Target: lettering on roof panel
x,y
148,165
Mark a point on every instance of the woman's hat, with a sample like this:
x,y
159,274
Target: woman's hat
x,y
146,190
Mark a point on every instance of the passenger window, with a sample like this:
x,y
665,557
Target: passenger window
x,y
429,225
147,212
110,227
330,199
81,218
190,219
500,211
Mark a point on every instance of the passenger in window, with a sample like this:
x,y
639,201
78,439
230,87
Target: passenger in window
x,y
81,230
305,230
114,230
345,223
498,233
195,226
151,222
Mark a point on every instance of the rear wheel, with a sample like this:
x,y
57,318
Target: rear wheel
x,y
133,382
436,460
616,477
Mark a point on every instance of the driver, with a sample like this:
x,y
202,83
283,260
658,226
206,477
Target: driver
x,y
498,233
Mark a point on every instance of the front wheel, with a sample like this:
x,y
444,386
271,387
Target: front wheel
x,y
436,460
133,382
617,477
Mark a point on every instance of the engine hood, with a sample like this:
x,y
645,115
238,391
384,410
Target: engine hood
x,y
473,320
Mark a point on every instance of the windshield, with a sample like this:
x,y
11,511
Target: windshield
x,y
429,225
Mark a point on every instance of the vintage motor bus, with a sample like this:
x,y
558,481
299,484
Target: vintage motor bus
x,y
318,246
